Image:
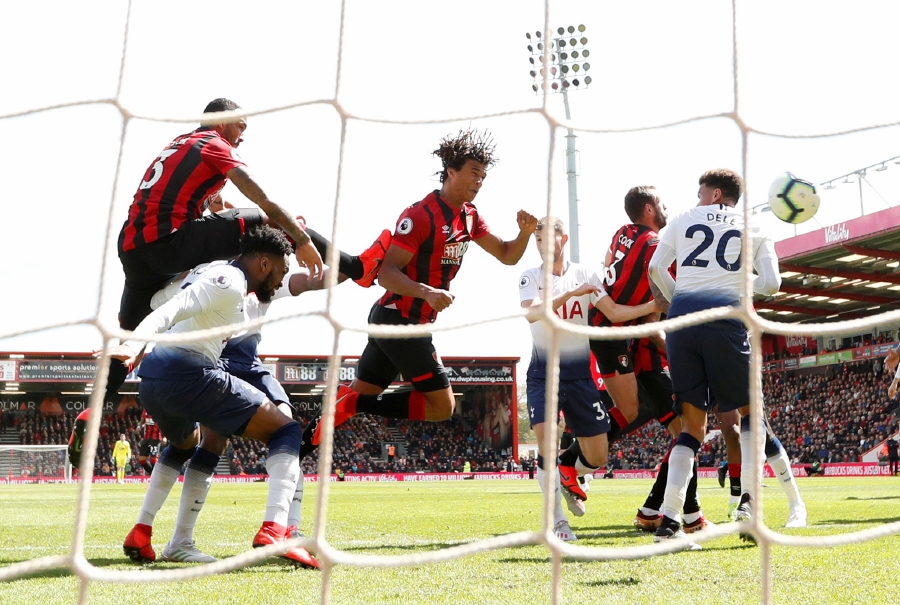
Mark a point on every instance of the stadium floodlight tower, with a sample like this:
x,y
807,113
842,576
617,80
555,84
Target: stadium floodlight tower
x,y
566,66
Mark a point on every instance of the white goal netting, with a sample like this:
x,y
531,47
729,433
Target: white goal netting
x,y
347,101
35,462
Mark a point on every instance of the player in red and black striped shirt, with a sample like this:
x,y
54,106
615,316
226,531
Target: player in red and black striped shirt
x,y
425,254
627,283
166,234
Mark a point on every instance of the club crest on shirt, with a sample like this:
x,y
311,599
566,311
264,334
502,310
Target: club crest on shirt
x,y
405,226
235,155
223,281
623,361
524,281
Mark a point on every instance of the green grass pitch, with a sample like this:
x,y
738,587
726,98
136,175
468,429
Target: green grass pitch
x,y
400,518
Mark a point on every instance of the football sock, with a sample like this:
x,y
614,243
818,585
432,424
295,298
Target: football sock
x,y
197,480
553,476
296,501
747,461
147,466
118,372
691,499
681,464
781,465
406,405
569,456
583,467
163,477
350,266
655,498
283,466
734,479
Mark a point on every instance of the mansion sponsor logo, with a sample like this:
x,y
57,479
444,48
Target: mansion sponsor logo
x,y
836,233
454,252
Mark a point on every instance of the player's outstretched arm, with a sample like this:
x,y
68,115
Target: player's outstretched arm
x,y
301,282
768,279
892,360
658,268
510,252
307,255
617,313
392,279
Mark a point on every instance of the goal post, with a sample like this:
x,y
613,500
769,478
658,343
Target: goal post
x,y
35,461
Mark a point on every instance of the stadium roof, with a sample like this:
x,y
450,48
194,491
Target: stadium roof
x,y
843,271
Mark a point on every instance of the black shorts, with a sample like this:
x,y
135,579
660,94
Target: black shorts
x,y
655,394
612,356
149,448
150,266
413,358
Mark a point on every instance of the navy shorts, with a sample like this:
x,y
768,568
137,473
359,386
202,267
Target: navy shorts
x,y
710,359
413,358
214,398
612,356
579,401
259,377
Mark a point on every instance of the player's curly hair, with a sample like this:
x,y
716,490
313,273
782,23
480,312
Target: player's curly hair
x,y
466,145
265,240
728,181
221,104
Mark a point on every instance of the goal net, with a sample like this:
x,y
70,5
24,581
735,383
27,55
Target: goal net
x,y
39,463
349,100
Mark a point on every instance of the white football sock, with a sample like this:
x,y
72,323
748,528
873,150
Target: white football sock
x,y
193,495
681,467
162,479
284,471
747,459
542,477
782,467
294,512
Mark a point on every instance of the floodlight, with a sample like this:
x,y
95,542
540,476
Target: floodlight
x,y
530,48
583,41
881,168
553,57
587,66
543,72
553,71
527,35
532,73
585,53
573,42
560,31
563,56
541,58
574,54
565,69
576,82
540,46
576,67
538,34
555,86
581,28
562,43
830,185
531,60
570,29
534,86
565,83
588,80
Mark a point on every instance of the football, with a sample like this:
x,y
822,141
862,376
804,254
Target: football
x,y
793,200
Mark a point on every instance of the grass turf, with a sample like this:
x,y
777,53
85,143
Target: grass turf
x,y
400,518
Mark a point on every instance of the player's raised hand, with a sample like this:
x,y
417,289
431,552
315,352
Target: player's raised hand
x,y
585,288
439,299
308,256
891,361
527,222
892,390
122,352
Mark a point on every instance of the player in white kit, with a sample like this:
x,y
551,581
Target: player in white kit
x,y
573,291
711,360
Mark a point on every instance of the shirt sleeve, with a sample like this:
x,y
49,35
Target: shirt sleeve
x,y
597,281
768,279
216,292
480,227
412,230
221,156
662,259
528,287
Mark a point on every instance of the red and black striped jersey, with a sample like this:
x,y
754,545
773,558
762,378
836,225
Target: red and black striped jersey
x,y
646,357
625,278
437,235
177,186
151,430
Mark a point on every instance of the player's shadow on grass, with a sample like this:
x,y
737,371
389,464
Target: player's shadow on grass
x,y
59,572
873,498
421,547
859,521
